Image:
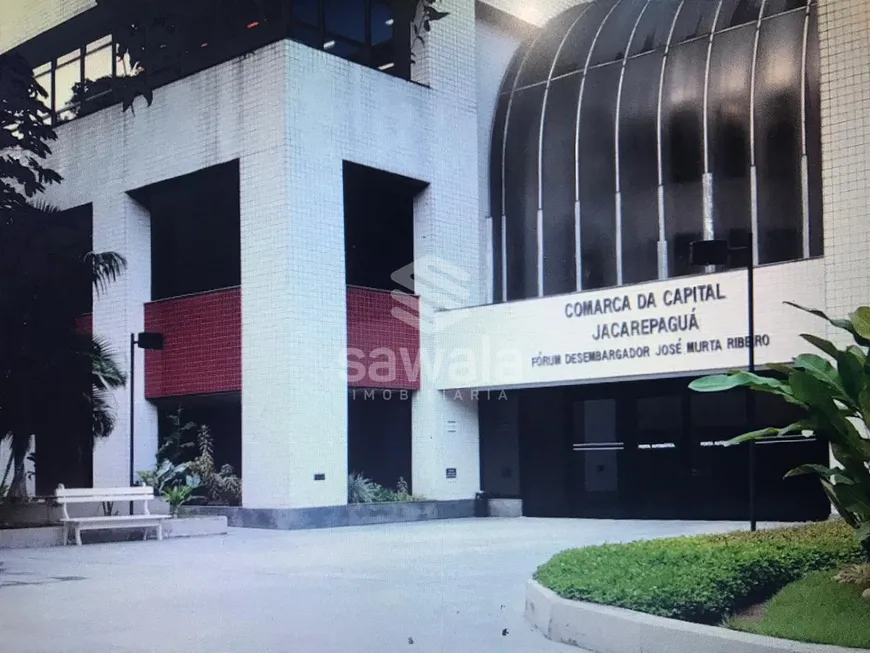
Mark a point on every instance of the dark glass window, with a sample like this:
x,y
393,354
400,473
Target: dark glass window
x,y
773,7
778,139
613,41
814,137
638,168
361,31
306,11
575,52
655,26
738,12
67,77
538,65
346,18
683,152
558,172
382,22
729,97
695,19
598,178
521,192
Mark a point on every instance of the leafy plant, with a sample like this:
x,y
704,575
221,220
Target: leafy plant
x,y
360,489
363,490
165,476
179,442
835,397
24,135
177,495
222,487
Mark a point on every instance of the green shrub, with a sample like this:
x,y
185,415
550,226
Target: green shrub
x,y
701,579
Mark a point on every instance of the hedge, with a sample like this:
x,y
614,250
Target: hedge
x,y
703,578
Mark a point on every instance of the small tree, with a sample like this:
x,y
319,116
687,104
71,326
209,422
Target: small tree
x,y
835,396
24,135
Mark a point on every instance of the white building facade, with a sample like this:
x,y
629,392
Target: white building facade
x,y
291,121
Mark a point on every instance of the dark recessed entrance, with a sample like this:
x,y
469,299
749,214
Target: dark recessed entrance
x,y
652,450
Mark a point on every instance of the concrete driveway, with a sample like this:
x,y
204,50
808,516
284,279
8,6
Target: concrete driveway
x,y
448,586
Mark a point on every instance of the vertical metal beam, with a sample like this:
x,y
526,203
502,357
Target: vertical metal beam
x,y
507,120
541,151
707,180
663,236
616,160
578,212
753,168
805,172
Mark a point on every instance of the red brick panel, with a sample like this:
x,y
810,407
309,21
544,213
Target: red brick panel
x,y
85,323
202,345
383,340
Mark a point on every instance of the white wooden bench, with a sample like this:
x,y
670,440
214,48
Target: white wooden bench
x,y
124,495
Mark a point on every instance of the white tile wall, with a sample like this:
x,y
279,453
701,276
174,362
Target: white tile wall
x,y
21,20
844,27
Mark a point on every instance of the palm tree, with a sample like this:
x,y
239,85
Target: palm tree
x,y
55,382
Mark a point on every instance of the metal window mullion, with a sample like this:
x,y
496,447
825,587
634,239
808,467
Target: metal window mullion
x,y
663,235
540,214
753,168
616,158
578,208
709,228
53,83
507,120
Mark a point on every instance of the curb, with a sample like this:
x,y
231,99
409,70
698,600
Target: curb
x,y
605,629
48,536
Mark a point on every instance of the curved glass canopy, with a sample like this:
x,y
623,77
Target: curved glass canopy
x,y
626,129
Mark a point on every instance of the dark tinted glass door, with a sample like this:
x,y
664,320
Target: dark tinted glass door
x,y
597,460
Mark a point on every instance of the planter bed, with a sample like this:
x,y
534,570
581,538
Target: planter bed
x,y
697,580
335,516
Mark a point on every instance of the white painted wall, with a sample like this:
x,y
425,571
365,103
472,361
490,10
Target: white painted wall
x,y
496,346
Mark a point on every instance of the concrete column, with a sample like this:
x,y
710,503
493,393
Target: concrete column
x,y
294,328
446,275
122,225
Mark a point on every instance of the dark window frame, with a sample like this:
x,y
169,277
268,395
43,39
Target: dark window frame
x,y
249,40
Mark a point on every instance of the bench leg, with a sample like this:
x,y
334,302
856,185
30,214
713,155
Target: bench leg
x,y
65,534
79,535
160,530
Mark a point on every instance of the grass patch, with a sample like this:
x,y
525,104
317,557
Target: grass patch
x,y
701,579
816,609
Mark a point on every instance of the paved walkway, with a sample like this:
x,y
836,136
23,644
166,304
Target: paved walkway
x,y
449,586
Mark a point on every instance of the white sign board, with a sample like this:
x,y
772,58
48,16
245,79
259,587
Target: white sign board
x,y
692,324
